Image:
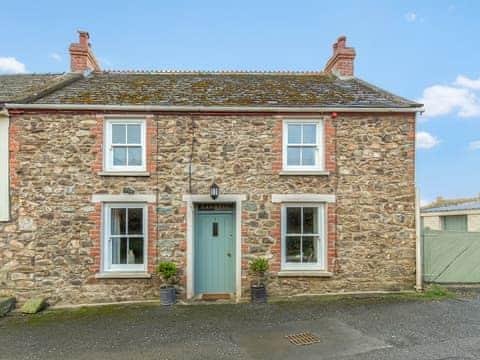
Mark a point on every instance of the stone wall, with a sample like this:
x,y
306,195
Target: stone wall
x,y
51,244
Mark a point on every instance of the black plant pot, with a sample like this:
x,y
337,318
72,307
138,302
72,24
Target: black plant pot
x,y
259,294
167,295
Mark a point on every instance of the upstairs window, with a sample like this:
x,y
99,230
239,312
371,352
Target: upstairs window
x,y
125,145
303,145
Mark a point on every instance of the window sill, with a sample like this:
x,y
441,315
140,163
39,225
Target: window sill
x,y
305,172
304,273
124,173
123,275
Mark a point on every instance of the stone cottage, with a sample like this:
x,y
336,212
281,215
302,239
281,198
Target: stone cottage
x,y
104,174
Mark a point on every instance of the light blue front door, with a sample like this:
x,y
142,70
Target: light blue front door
x,y
214,252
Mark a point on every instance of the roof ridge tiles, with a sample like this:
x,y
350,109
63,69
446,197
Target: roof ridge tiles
x,y
215,72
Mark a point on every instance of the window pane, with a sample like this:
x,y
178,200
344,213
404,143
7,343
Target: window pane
x,y
309,134
310,220
295,134
119,251
309,244
293,155
134,134
120,156
118,134
308,156
135,156
135,251
293,249
293,220
117,221
135,221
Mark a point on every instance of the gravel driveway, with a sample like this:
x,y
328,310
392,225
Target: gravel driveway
x,y
366,328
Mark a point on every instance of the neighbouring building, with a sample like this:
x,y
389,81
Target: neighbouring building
x,y
104,174
452,215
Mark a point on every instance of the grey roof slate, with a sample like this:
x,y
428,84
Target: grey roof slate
x,y
474,205
22,88
223,89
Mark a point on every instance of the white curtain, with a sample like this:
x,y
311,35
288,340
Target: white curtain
x,y
115,220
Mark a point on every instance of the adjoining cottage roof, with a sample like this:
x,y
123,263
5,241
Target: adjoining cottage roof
x,y
260,89
22,88
473,205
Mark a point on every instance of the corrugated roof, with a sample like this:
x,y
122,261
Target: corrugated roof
x,y
474,205
21,88
223,89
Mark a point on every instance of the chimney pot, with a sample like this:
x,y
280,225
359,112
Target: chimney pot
x,y
83,37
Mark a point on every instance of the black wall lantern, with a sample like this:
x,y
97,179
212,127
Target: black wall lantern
x,y
214,191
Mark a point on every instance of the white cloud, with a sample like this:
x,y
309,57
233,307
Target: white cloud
x,y
411,17
464,81
426,140
443,99
474,145
10,65
55,57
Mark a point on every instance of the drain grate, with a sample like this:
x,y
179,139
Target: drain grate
x,y
305,338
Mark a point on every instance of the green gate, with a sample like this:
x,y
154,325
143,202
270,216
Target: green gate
x,y
451,256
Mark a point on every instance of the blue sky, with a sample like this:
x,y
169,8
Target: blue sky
x,y
424,50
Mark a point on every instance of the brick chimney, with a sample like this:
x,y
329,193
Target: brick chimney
x,y
81,54
341,62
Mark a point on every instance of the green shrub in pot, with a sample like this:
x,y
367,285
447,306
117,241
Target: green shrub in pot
x,y
259,268
168,271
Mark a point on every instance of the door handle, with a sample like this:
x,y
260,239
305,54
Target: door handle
x,y
229,254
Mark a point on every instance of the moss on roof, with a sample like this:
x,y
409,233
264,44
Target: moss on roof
x,y
222,89
21,88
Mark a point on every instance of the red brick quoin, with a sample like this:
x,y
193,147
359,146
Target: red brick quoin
x,y
330,165
96,216
95,234
151,142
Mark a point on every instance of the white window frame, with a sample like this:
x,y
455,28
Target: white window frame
x,y
107,265
322,242
319,148
108,146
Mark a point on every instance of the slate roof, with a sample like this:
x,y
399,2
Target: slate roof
x,y
308,89
22,88
222,89
474,205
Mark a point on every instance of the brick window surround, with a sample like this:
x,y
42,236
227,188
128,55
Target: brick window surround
x,y
329,133
151,145
96,235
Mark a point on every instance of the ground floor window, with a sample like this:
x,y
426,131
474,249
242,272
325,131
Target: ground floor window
x,y
125,245
303,237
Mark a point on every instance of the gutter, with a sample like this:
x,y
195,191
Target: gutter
x,y
182,108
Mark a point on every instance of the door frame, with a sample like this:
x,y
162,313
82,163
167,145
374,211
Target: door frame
x,y
196,230
191,200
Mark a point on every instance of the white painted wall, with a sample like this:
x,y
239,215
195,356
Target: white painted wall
x,y
4,193
432,222
473,222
